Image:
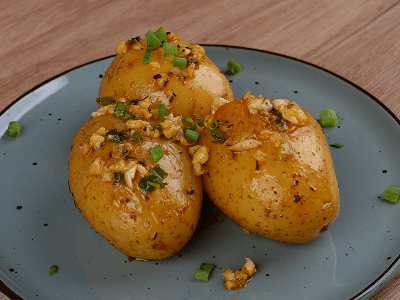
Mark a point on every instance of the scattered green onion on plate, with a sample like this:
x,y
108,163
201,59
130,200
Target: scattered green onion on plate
x,y
391,194
327,118
203,272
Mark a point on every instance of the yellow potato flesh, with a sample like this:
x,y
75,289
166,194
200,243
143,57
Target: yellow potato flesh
x,y
290,198
188,92
149,226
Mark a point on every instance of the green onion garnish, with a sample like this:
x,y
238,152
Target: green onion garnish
x,y
179,62
53,269
162,111
147,56
234,67
327,118
191,135
203,272
157,127
144,183
193,126
213,126
200,123
218,136
170,50
159,172
392,194
137,137
152,40
149,183
156,153
104,101
336,145
117,136
161,34
14,129
157,184
121,111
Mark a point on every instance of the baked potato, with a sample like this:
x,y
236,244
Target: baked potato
x,y
270,169
192,91
146,209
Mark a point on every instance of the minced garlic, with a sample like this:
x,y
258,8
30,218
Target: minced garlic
x,y
96,140
121,48
290,111
245,145
171,126
96,167
234,280
200,157
258,104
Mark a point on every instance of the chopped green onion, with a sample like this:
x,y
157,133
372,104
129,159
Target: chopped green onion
x,y
152,40
170,50
179,62
327,118
189,120
391,194
159,172
117,136
14,129
191,135
144,183
162,111
157,184
161,34
213,126
156,153
200,123
157,127
53,269
336,145
234,67
137,137
121,111
218,136
203,272
147,56
149,183
104,101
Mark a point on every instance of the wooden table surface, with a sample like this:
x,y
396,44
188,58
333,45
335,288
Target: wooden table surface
x,y
356,39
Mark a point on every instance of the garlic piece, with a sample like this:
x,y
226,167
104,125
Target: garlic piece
x,y
200,157
245,145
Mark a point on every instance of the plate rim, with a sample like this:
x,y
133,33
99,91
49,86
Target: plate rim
x,y
372,287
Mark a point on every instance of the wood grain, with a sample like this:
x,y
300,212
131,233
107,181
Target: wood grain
x,y
356,39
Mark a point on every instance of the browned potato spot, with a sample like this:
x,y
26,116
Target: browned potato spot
x,y
274,175
191,92
104,180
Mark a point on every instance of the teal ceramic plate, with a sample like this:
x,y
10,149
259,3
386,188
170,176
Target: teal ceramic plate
x,y
40,225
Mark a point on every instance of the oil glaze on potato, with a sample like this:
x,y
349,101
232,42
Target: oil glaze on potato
x,y
149,226
190,92
274,175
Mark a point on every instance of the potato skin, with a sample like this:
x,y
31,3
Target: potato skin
x,y
149,226
292,199
183,93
